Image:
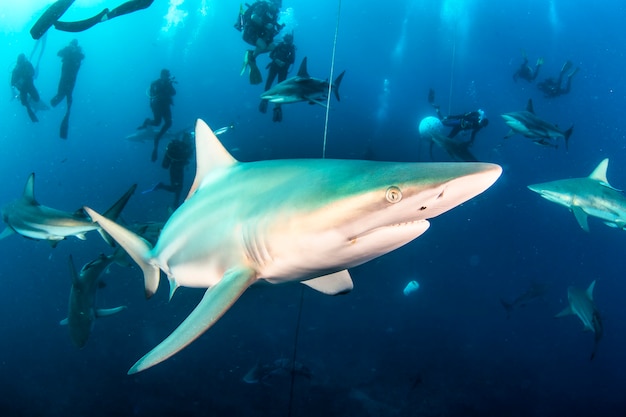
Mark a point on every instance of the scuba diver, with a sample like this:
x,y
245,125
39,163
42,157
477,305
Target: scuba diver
x,y
177,156
71,55
473,120
282,56
259,25
525,71
552,88
161,93
22,78
56,10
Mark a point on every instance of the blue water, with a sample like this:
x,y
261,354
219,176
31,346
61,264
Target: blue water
x,y
448,349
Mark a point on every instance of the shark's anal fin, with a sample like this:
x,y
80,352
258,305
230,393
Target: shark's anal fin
x,y
216,301
105,312
137,247
581,217
332,284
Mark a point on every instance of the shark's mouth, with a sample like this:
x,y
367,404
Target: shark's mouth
x,y
392,231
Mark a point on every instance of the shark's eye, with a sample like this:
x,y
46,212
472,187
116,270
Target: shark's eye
x,y
393,194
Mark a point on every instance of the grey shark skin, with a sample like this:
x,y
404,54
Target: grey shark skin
x,y
581,305
302,87
305,220
527,124
588,196
30,219
82,311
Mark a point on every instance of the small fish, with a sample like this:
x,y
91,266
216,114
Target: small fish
x,y
224,129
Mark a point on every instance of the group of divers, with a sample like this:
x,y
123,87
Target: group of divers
x,y
259,26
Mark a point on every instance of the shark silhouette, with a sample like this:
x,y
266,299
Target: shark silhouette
x,y
306,220
581,305
587,196
82,311
302,87
30,219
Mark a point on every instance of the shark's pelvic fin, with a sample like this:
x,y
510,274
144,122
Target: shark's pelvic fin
x,y
332,284
216,301
210,155
105,312
581,217
138,248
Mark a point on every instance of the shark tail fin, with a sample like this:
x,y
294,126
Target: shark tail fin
x,y
566,135
114,212
336,85
138,248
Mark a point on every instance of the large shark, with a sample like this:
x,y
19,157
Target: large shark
x,y
527,124
587,196
82,311
305,220
302,87
581,305
30,219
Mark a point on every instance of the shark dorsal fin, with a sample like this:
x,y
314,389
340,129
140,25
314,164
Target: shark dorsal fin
x,y
302,72
210,154
75,278
599,174
590,290
29,190
529,106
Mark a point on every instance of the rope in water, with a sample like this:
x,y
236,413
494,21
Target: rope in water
x,y
298,319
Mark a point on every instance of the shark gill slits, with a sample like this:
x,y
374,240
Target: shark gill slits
x,y
393,194
440,194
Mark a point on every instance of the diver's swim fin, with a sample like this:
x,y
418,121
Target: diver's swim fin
x,y
81,25
65,124
255,73
49,17
566,66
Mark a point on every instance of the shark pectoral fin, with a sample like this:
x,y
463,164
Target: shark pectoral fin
x,y
581,217
6,232
508,135
63,322
216,301
81,236
105,312
137,247
314,101
332,284
567,311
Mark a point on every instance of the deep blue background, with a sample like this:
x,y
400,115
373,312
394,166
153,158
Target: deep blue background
x,y
365,349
